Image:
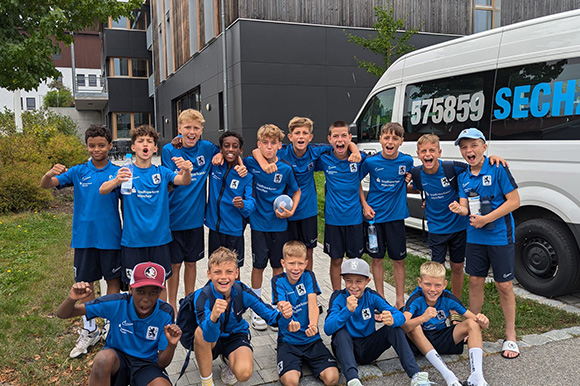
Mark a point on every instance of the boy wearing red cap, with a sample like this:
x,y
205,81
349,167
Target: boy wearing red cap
x,y
143,337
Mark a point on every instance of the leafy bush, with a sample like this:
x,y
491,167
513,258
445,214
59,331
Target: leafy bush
x,y
20,189
59,96
45,123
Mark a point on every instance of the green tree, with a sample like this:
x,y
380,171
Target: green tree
x,y
31,29
386,43
59,96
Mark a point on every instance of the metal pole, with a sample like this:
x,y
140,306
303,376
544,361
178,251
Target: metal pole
x,y
225,66
73,67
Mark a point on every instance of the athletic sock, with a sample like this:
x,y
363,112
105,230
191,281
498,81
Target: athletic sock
x,y
207,381
434,358
90,324
258,292
475,360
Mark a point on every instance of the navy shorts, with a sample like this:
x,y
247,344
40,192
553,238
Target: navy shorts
x,y
136,371
442,341
187,245
226,346
305,230
339,240
235,243
438,244
92,264
267,246
480,257
392,239
315,354
130,257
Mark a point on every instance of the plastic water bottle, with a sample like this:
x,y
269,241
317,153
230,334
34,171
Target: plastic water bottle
x,y
474,203
127,186
373,243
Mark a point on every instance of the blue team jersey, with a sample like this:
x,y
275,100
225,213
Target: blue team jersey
x,y
342,201
361,322
225,184
304,171
266,188
417,305
96,221
187,202
492,182
297,295
439,193
146,209
387,187
141,338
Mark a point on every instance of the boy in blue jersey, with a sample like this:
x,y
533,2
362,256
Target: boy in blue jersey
x,y
142,339
427,309
490,236
302,156
386,204
269,226
146,233
221,328
342,209
97,248
230,199
300,289
351,322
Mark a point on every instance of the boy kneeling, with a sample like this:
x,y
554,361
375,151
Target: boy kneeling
x,y
219,307
426,311
142,338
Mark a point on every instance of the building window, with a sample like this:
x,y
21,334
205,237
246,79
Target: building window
x,y
121,22
124,122
486,15
139,20
92,80
120,67
30,103
139,68
133,68
81,80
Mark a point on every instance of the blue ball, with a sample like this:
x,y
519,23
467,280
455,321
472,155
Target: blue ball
x,y
283,201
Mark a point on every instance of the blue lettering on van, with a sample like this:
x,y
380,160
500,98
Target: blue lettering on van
x,y
528,100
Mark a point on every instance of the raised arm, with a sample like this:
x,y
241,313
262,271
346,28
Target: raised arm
x,y
172,333
49,179
69,308
185,167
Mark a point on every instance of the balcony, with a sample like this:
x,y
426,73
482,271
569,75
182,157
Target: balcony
x,y
91,93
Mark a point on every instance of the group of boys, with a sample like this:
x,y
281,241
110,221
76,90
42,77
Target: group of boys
x,y
163,225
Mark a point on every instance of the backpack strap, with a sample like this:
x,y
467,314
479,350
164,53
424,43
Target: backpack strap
x,y
416,175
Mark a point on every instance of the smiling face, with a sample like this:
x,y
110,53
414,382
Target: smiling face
x,y
190,132
294,267
269,146
223,276
145,299
472,151
231,150
355,284
428,153
390,143
432,288
98,148
144,147
340,138
300,138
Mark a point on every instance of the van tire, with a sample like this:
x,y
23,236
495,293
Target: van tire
x,y
546,261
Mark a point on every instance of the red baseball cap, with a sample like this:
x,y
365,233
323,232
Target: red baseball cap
x,y
147,274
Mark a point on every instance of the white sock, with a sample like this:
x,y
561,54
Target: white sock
x,y
89,325
258,292
475,360
433,357
207,381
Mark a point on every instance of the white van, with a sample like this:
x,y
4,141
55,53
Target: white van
x,y
520,85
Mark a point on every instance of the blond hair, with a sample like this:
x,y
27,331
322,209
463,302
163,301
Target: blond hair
x,y
432,269
222,255
144,131
188,116
294,248
270,130
428,138
300,122
393,127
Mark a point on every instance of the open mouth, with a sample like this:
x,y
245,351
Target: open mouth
x,y
471,158
145,151
428,162
341,147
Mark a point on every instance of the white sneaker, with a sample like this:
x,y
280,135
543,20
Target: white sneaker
x,y
258,323
228,377
274,328
85,342
421,379
354,382
105,330
455,383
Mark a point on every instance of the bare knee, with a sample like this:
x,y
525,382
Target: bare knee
x,y
329,376
106,362
290,378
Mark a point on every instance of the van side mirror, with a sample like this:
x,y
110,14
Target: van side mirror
x,y
354,131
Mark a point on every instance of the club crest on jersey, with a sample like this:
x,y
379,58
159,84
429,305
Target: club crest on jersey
x,y
310,165
402,169
441,315
156,178
234,184
152,332
200,160
277,178
444,182
366,313
486,180
301,289
353,167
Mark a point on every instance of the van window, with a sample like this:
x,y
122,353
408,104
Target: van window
x,y
538,101
378,111
447,106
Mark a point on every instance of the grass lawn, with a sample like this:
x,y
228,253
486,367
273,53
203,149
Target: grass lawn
x,y
531,317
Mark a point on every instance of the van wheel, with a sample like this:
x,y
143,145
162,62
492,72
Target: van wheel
x,y
546,258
